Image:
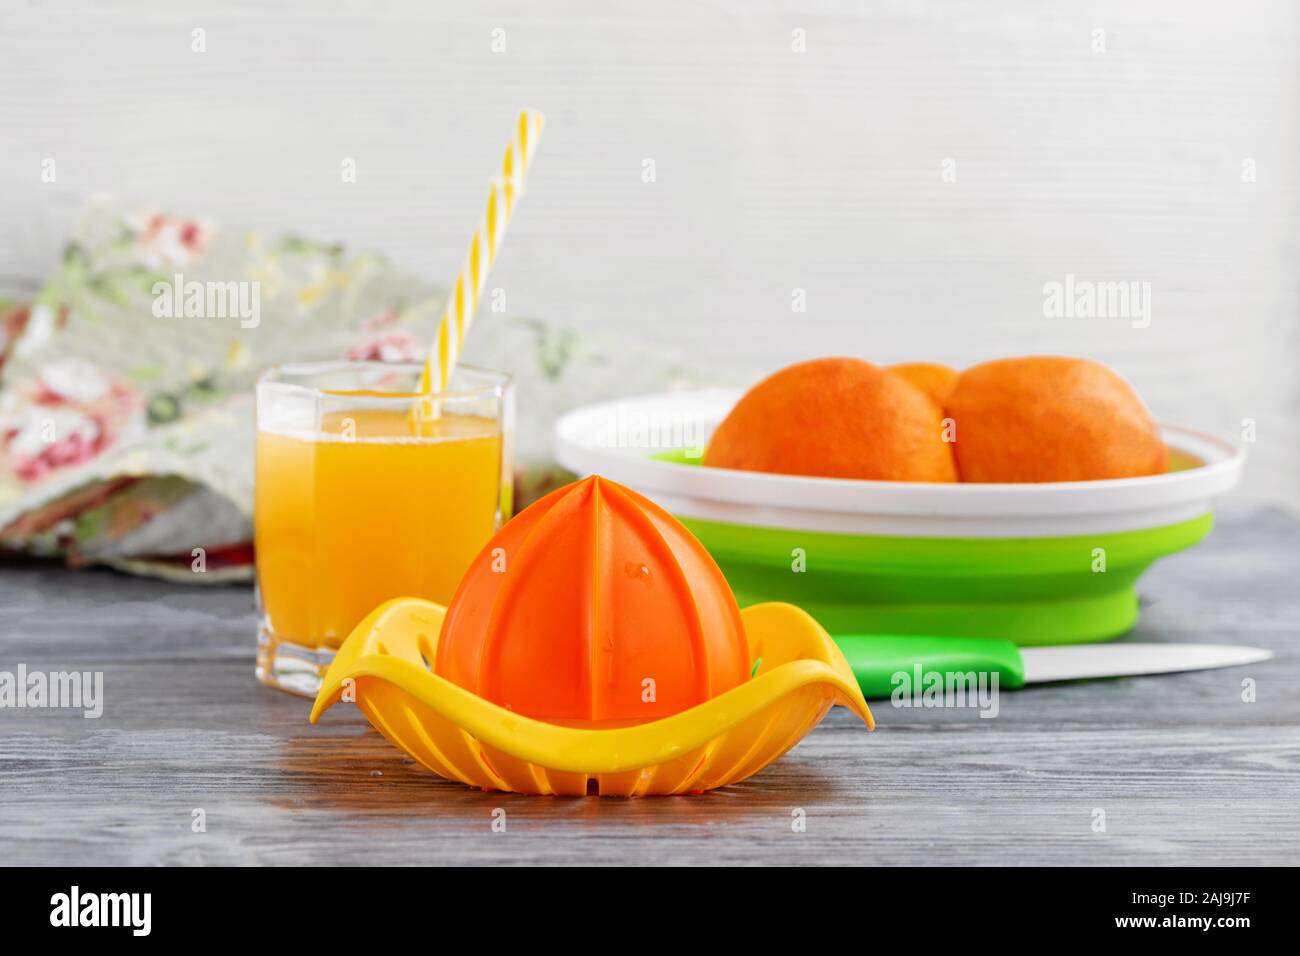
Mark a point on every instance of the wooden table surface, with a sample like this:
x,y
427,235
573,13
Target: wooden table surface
x,y
1185,771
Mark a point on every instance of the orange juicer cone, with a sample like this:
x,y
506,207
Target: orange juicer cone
x,y
592,647
603,609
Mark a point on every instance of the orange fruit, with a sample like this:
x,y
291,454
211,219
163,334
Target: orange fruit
x,y
1051,419
835,418
934,379
594,607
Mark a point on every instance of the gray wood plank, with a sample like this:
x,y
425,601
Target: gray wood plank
x,y
1186,772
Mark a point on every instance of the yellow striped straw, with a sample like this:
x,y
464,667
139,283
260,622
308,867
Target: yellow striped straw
x,y
470,281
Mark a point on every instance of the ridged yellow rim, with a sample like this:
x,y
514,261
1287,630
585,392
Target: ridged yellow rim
x,y
800,674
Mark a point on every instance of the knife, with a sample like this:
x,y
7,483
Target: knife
x,y
877,659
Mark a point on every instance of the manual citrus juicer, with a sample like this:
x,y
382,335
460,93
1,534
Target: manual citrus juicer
x,y
593,647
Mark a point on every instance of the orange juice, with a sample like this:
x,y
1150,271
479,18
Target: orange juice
x,y
364,509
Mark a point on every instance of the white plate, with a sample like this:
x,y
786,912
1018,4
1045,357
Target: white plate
x,y
618,439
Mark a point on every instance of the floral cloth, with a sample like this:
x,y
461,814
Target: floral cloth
x,y
126,414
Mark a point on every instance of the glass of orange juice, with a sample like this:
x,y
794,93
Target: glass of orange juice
x,y
367,490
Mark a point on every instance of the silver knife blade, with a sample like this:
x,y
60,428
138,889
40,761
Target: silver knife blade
x,y
1081,661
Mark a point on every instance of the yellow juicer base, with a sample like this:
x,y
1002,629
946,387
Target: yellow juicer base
x,y
386,665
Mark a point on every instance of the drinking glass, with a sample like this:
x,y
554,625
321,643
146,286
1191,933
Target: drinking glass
x,y
366,490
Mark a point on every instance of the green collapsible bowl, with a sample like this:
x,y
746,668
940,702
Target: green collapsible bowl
x,y
1047,563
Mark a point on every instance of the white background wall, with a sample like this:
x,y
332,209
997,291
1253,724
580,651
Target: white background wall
x,y
776,170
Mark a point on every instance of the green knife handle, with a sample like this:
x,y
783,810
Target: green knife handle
x,y
876,659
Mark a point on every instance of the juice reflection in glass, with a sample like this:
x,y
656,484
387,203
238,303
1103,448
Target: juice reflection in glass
x,y
360,498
